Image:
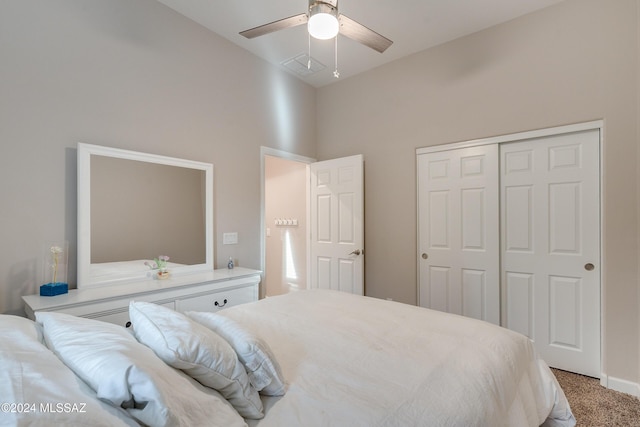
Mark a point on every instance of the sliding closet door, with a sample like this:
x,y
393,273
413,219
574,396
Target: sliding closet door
x,y
550,196
458,212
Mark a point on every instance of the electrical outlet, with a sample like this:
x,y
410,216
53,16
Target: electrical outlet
x,y
230,238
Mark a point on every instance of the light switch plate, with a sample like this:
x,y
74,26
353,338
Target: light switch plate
x,y
230,238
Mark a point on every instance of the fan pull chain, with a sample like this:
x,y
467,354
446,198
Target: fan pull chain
x,y
309,56
336,74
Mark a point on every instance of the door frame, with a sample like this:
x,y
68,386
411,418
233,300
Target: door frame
x,y
273,152
520,136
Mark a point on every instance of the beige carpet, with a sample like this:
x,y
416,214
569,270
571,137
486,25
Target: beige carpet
x,y
596,406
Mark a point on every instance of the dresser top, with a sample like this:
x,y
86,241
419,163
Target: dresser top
x,y
133,288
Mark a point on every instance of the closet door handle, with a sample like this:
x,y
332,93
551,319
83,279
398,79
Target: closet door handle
x,y
424,255
589,267
356,252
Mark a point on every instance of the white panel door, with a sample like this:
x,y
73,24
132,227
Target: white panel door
x,y
337,225
458,223
550,195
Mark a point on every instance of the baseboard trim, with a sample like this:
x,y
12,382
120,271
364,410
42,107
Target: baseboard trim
x,y
617,384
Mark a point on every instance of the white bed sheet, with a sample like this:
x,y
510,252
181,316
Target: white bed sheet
x,y
357,361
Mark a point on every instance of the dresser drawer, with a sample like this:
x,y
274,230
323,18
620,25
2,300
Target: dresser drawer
x,y
218,300
121,317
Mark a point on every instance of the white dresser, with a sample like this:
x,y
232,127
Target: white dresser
x,y
206,291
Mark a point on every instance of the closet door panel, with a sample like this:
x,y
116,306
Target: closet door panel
x,y
518,218
473,290
565,221
473,221
565,294
439,214
458,232
518,288
439,289
550,194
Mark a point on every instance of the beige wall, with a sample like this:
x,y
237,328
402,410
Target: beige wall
x,y
574,62
134,75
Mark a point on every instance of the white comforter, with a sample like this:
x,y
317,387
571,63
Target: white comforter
x,y
353,361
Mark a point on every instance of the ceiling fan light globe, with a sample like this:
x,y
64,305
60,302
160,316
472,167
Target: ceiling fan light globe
x,y
323,20
323,26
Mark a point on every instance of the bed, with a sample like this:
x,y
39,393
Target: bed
x,y
312,358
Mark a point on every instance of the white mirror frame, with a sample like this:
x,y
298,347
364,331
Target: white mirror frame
x,y
85,151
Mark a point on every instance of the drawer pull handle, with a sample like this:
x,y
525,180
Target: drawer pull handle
x,y
217,304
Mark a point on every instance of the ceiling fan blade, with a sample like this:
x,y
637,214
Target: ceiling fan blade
x,y
362,34
291,21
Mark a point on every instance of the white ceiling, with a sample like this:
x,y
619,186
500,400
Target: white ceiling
x,y
412,25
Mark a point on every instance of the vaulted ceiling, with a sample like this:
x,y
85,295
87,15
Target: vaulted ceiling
x,y
412,25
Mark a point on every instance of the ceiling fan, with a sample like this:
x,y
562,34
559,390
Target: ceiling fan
x,y
324,22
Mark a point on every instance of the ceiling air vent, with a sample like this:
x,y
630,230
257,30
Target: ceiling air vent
x,y
299,65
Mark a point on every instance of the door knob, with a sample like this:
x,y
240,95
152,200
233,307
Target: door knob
x,y
589,267
424,256
356,252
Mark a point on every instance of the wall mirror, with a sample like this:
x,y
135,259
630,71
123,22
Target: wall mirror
x,y
133,207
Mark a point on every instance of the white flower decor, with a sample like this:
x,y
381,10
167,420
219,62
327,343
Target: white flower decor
x,y
160,264
56,252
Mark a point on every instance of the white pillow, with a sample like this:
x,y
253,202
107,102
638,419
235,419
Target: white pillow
x,y
42,390
18,332
198,351
127,374
254,353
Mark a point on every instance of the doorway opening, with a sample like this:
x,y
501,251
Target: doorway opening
x,y
284,224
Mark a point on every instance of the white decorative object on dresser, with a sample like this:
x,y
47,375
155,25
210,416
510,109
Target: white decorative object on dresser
x,y
205,291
